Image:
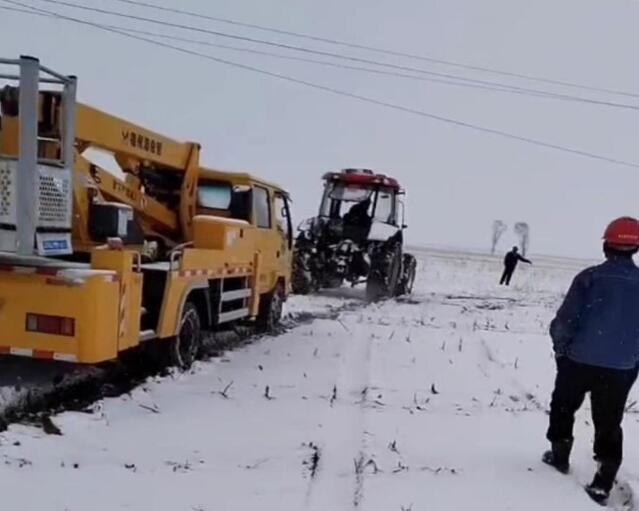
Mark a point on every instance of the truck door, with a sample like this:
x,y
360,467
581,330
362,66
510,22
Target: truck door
x,y
284,226
267,241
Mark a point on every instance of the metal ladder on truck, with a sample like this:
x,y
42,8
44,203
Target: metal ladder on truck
x,y
36,191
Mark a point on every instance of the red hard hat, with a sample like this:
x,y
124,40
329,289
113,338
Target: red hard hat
x,y
623,232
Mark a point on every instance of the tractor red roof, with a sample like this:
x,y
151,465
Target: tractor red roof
x,y
362,178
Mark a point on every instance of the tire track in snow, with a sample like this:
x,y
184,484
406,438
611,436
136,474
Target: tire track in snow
x,y
341,468
526,394
74,387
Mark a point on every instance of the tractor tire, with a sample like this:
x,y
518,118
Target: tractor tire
x,y
270,311
332,282
301,279
407,280
385,273
185,347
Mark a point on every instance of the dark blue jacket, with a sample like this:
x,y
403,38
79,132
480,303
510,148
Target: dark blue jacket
x,y
598,323
512,258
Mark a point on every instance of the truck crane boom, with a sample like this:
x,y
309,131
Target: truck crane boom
x,y
160,173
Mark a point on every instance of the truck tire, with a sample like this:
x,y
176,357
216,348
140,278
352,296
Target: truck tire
x,y
407,280
271,306
384,274
185,347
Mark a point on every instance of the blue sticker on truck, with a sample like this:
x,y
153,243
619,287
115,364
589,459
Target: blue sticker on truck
x,y
55,245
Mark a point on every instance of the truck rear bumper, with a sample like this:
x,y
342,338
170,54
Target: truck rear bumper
x,y
41,354
88,299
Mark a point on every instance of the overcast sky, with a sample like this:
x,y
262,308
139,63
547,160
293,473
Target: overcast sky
x,y
457,180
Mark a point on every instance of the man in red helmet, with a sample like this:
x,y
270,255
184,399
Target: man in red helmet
x,y
596,342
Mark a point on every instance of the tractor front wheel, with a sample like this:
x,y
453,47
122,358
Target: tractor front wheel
x,y
301,278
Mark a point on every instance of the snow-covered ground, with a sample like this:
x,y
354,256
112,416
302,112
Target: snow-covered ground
x,y
433,403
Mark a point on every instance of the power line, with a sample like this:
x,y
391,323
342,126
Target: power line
x,y
496,88
339,92
472,85
386,51
267,43
331,54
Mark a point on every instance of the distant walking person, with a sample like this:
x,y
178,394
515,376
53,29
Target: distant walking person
x,y
595,337
510,263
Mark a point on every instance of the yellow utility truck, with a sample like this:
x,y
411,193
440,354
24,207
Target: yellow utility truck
x,y
93,263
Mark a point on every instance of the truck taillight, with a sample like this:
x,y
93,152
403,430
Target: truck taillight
x,y
55,325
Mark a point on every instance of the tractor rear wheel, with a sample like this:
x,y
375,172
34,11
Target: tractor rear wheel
x,y
384,274
407,280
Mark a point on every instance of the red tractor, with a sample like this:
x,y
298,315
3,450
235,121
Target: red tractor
x,y
357,237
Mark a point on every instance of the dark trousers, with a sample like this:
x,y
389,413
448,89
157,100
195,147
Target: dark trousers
x,y
507,275
608,389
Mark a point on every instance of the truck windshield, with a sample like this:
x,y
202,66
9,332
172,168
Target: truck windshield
x,y
214,195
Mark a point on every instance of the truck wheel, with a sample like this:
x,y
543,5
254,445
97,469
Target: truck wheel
x,y
271,306
384,274
407,280
185,346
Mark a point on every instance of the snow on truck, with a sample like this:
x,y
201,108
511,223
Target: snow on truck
x,y
92,265
357,237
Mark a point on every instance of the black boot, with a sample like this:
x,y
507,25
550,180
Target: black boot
x,y
599,495
602,483
559,455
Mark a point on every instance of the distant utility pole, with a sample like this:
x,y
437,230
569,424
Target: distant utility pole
x,y
523,231
499,228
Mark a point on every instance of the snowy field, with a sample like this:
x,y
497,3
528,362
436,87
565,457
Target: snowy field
x,y
434,403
